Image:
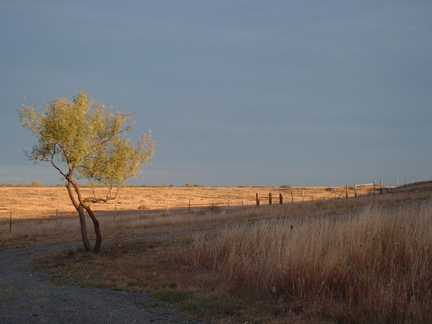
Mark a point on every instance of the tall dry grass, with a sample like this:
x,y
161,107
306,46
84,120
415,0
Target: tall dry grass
x,y
374,267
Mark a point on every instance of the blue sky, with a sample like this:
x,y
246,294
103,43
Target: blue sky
x,y
266,93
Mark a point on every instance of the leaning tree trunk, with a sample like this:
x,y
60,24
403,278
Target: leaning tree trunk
x,y
71,186
86,242
98,243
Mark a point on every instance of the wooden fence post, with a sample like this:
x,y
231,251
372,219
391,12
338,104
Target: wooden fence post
x,y
270,198
257,200
381,190
189,206
346,190
280,199
355,190
303,196
374,188
292,197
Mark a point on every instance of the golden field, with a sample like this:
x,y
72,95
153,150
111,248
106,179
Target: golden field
x,y
166,209
40,202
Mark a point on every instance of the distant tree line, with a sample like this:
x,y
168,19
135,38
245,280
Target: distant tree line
x,y
164,185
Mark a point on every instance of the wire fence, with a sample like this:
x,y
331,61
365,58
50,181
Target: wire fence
x,y
185,204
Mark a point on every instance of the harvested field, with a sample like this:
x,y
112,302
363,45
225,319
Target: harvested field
x,y
42,202
34,210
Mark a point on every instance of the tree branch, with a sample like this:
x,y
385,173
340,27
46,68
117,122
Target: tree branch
x,y
94,200
55,166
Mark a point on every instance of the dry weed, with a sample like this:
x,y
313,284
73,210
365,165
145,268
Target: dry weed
x,y
373,267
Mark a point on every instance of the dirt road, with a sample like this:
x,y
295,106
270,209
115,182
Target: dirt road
x,y
27,296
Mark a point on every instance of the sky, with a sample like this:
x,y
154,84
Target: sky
x,y
256,93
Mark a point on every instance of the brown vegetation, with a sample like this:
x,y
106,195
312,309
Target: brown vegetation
x,y
34,223
41,202
369,267
375,267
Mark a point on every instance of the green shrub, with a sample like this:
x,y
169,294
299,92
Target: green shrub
x,y
285,186
37,184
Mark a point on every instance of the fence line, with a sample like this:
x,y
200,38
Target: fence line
x,y
270,198
221,201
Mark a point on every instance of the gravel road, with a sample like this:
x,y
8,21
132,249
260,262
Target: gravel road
x,y
27,296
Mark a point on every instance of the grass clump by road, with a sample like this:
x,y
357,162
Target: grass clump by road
x,y
203,306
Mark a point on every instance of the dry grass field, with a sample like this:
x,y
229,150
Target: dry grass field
x,y
375,267
284,264
40,202
165,209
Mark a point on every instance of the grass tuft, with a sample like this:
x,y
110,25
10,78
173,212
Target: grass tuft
x,y
171,295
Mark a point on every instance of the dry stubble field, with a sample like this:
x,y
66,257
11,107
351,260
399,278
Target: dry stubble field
x,y
164,209
40,202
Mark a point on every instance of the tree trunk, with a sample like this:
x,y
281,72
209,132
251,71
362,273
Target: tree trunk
x,y
85,239
71,185
98,243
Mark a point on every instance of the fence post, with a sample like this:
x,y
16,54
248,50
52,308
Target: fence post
x,y
280,199
374,188
189,206
270,198
292,197
257,200
381,190
303,195
355,190
10,222
346,190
